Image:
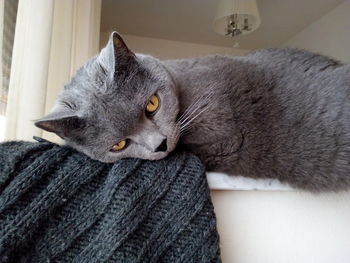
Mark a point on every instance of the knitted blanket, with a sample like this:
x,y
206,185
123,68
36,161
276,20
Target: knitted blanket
x,y
58,205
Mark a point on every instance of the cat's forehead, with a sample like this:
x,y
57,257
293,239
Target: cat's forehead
x,y
120,110
131,84
115,115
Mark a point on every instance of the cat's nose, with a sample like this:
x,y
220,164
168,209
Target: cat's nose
x,y
162,147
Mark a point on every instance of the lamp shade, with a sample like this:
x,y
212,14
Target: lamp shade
x,y
243,10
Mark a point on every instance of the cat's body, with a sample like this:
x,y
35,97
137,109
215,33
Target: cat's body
x,y
278,113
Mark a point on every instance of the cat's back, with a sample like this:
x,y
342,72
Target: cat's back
x,y
298,77
292,62
305,82
310,118
292,107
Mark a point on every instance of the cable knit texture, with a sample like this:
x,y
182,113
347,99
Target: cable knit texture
x,y
58,205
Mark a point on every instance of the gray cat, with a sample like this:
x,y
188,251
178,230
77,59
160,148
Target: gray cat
x,y
275,113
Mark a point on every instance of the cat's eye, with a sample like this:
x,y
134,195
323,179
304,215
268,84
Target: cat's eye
x,y
152,105
119,146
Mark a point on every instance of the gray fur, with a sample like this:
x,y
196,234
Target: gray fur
x,y
275,113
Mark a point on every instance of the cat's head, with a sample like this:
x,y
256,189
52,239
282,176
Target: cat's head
x,y
117,105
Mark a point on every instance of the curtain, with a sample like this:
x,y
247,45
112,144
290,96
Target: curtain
x,y
52,39
8,23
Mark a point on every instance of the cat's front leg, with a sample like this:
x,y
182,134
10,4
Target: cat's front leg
x,y
219,155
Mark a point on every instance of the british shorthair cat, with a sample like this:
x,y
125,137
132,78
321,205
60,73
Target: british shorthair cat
x,y
274,113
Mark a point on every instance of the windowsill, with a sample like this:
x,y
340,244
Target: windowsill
x,y
221,181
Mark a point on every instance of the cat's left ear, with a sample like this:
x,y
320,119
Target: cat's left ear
x,y
61,121
115,55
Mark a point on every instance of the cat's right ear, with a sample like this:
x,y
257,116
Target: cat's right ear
x,y
60,121
115,55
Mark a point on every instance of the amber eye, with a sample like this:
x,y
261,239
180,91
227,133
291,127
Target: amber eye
x,y
119,146
153,104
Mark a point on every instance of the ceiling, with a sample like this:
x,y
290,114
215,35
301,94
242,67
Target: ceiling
x,y
191,20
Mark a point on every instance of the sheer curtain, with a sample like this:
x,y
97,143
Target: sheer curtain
x,y
8,14
53,38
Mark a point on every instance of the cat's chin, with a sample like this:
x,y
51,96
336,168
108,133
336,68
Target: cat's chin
x,y
157,156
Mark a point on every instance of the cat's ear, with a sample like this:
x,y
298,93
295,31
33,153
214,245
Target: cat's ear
x,y
61,121
115,55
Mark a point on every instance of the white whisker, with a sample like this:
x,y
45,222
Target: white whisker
x,y
192,112
194,107
189,110
195,117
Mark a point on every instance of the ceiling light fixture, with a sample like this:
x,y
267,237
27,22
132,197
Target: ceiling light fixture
x,y
236,17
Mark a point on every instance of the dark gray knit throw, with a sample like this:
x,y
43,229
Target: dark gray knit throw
x,y
57,205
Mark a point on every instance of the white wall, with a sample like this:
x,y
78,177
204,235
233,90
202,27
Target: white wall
x,y
283,227
168,49
330,35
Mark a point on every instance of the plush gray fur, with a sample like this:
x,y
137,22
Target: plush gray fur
x,y
275,113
